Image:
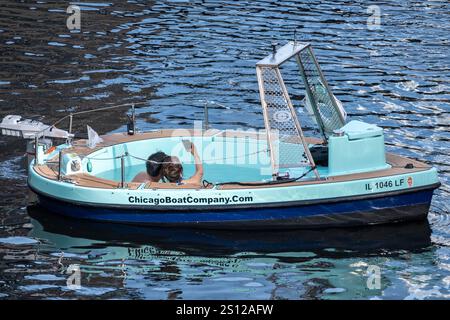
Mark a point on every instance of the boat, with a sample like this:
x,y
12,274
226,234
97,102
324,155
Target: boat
x,y
276,178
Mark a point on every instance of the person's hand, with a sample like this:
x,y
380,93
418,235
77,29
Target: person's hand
x,y
193,150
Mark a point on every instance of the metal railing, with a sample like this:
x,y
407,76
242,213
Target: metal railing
x,y
41,134
60,165
122,171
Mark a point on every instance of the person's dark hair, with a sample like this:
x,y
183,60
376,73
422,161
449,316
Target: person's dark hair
x,y
155,163
172,169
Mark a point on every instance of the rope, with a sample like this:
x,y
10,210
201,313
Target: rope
x,y
409,166
149,161
106,159
157,162
87,111
126,154
249,184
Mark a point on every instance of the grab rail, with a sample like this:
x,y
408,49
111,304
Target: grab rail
x,y
122,171
70,116
60,165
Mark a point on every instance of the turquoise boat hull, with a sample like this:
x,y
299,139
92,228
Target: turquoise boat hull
x,y
384,208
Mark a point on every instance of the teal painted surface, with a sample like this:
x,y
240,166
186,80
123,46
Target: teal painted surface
x,y
69,191
232,154
358,130
212,172
360,149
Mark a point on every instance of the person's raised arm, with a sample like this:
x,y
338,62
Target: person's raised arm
x,y
198,175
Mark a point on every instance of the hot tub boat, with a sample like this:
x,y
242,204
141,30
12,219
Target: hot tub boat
x,y
276,178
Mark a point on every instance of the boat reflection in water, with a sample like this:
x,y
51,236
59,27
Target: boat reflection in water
x,y
66,233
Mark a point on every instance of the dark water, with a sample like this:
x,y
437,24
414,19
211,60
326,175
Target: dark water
x,y
174,56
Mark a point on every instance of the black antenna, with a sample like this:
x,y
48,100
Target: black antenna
x,y
131,125
274,47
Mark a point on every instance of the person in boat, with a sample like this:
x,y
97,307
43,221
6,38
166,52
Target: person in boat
x,y
153,166
161,166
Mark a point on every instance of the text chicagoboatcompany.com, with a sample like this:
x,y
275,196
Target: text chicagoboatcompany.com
x,y
190,200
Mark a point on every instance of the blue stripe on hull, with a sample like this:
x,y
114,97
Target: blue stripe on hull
x,y
294,213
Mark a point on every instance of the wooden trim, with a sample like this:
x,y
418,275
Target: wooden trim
x,y
398,164
46,172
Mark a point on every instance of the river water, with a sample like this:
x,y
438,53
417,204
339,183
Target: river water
x,y
175,55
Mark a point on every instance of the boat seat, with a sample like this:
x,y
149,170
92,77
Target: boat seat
x,y
46,171
359,130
